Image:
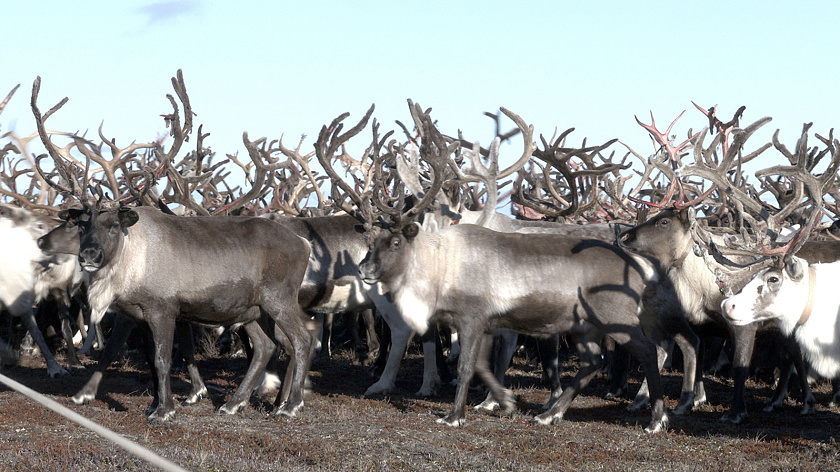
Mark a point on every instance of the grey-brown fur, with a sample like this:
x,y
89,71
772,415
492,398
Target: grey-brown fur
x,y
160,268
538,284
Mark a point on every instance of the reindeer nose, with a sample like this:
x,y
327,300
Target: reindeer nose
x,y
42,244
728,307
368,269
91,256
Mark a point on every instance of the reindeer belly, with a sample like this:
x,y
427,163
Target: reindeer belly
x,y
537,314
220,304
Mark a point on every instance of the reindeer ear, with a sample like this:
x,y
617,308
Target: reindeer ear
x,y
411,230
127,217
795,268
686,215
70,214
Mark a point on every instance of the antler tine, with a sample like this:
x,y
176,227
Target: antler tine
x,y
705,168
527,141
662,138
815,187
328,142
719,126
303,162
264,167
119,157
480,174
74,189
181,90
8,97
435,151
560,159
487,175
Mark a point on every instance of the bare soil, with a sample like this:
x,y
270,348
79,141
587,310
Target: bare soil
x,y
341,430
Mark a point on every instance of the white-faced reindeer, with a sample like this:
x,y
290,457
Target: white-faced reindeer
x,y
801,299
786,288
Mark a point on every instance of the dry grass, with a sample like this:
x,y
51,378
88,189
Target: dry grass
x,y
341,430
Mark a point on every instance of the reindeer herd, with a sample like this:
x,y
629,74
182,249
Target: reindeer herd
x,y
690,248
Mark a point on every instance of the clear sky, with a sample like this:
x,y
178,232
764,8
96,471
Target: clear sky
x,y
277,68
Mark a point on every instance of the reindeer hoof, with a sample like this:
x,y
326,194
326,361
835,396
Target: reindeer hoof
x,y
159,416
195,397
733,417
82,398
230,409
452,420
287,411
547,419
428,391
378,389
657,426
489,404
685,405
58,373
639,403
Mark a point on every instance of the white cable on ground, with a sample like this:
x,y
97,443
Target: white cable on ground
x,y
121,441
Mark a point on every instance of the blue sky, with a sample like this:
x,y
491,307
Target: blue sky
x,y
286,68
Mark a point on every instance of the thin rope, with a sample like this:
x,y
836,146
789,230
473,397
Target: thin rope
x,y
121,441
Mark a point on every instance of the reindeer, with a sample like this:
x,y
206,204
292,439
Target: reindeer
x,y
786,288
28,276
338,238
668,238
160,268
65,237
795,295
442,276
557,157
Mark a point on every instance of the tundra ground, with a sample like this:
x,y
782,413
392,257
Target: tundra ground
x,y
340,430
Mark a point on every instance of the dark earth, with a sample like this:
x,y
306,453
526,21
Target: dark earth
x,y
341,430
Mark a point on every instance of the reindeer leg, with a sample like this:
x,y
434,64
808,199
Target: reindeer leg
x,y
372,338
400,336
431,376
744,343
184,332
549,351
263,349
587,340
795,354
500,395
471,339
67,332
53,368
123,326
835,392
782,387
504,346
300,352
162,330
689,344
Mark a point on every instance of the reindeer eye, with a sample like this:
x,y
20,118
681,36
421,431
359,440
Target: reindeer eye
x,y
664,222
772,279
395,243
